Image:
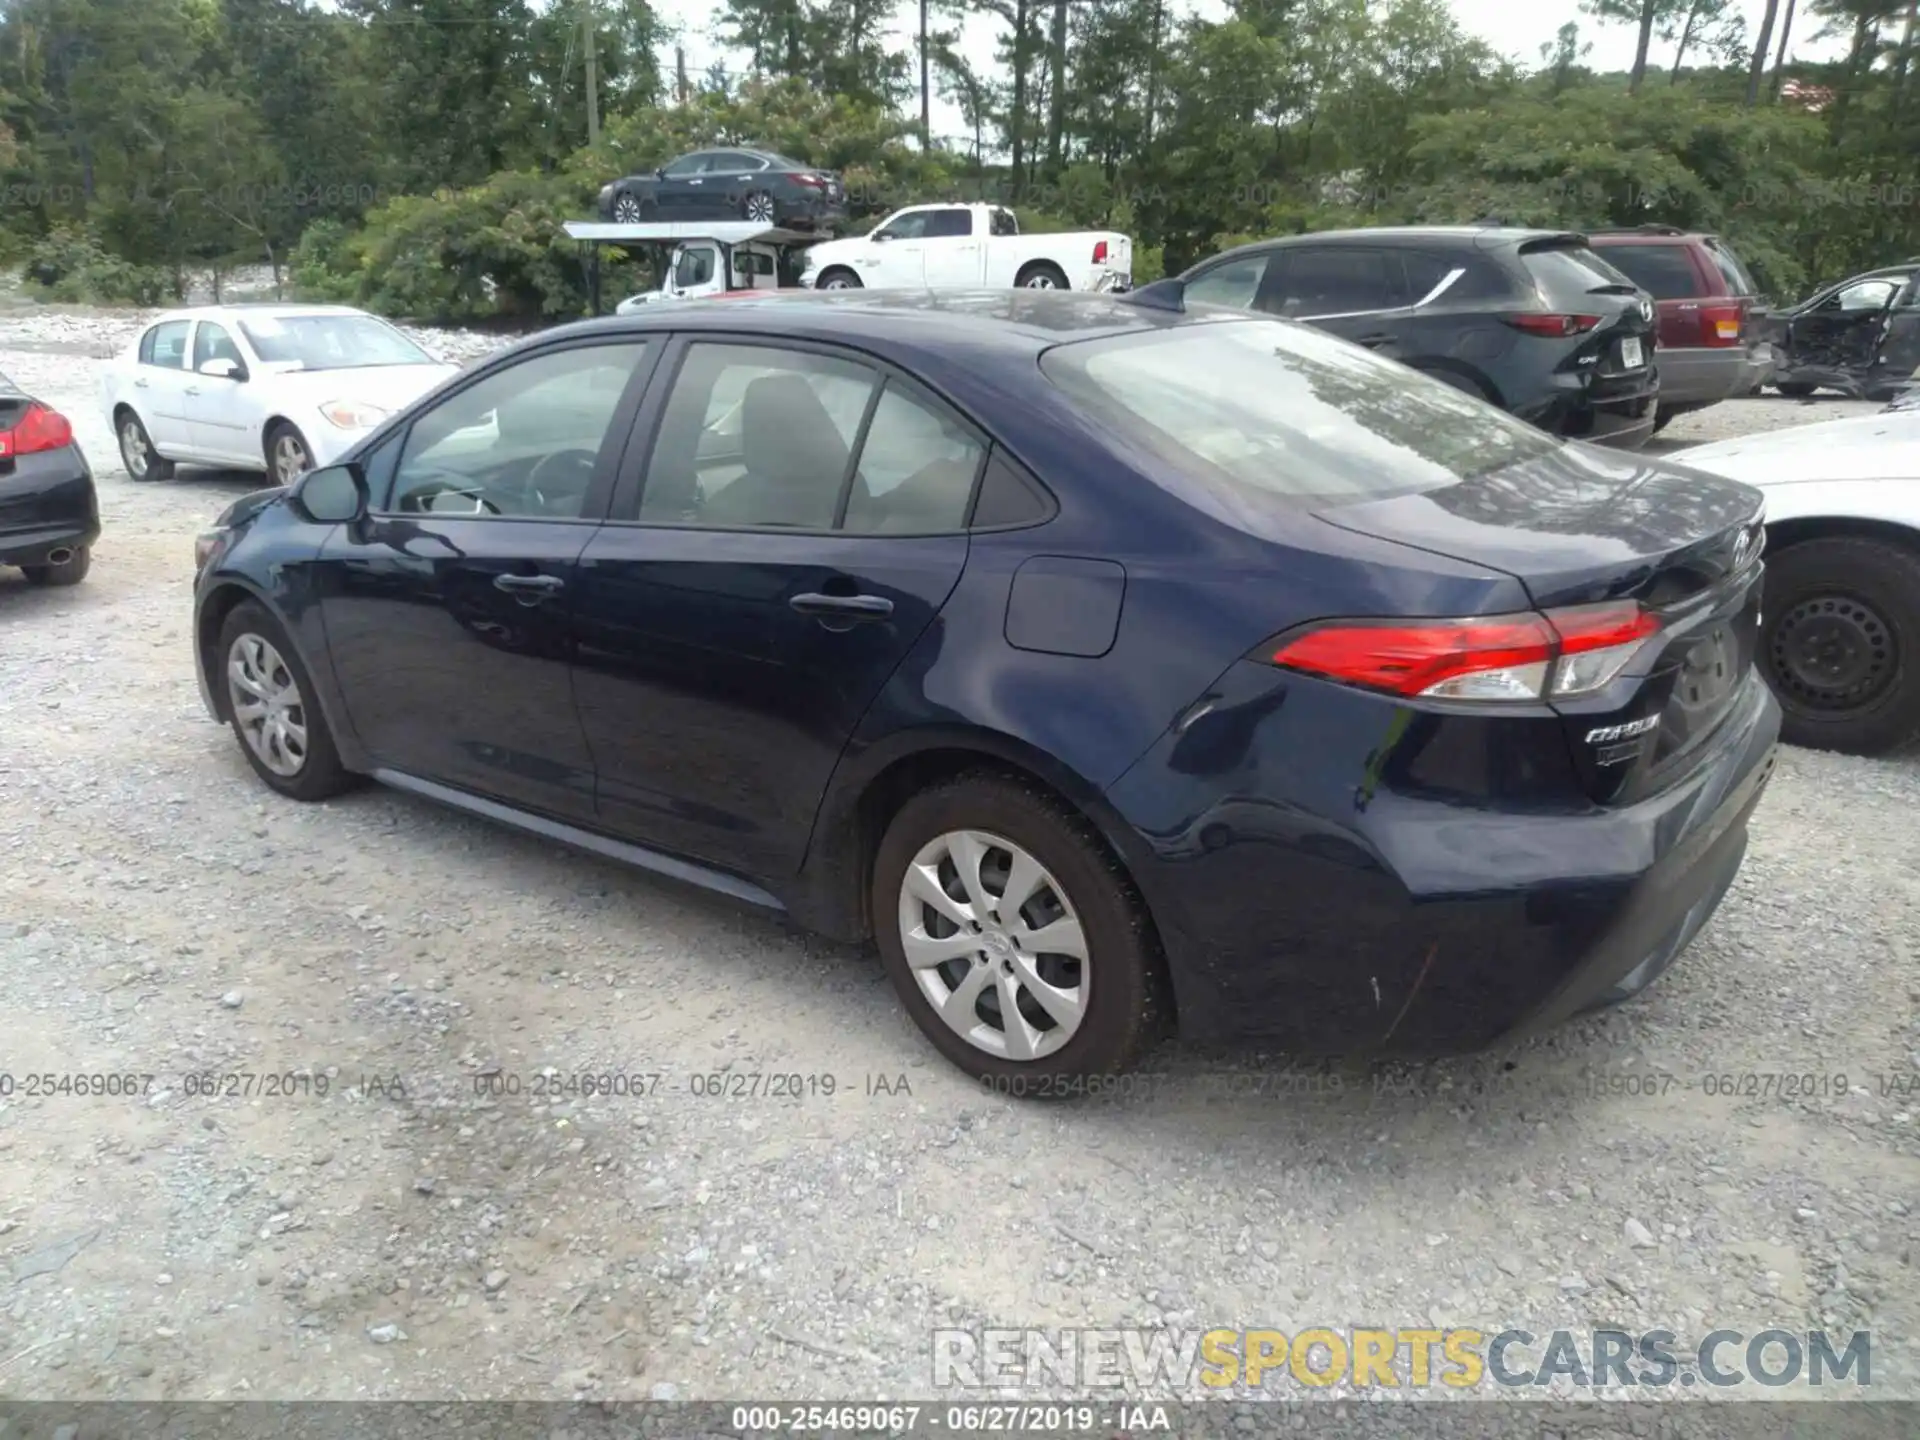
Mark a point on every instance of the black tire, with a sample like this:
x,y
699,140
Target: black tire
x,y
320,775
1128,1003
1859,600
1662,419
135,443
1035,271
281,435
70,572
1795,389
838,277
627,209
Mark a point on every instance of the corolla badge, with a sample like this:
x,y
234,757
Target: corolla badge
x,y
1605,734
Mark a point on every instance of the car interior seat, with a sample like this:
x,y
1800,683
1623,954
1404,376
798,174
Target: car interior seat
x,y
794,456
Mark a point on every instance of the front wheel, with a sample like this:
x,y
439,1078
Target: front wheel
x,y
288,456
838,278
627,209
1041,275
271,707
1012,939
1841,645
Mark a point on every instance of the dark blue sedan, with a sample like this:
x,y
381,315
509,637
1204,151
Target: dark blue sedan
x,y
1109,665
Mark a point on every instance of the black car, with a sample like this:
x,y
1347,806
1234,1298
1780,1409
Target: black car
x,y
49,513
1860,337
752,185
1533,321
1106,664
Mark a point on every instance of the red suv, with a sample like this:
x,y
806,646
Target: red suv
x,y
1711,323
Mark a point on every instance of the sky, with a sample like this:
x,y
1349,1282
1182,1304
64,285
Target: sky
x,y
1511,27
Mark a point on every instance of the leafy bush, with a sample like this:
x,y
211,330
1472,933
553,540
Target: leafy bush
x,y
70,267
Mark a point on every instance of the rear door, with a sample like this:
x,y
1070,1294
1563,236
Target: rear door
x,y
729,178
952,253
791,520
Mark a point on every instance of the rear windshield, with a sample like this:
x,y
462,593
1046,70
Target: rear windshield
x,y
1739,282
1570,270
1272,408
1663,271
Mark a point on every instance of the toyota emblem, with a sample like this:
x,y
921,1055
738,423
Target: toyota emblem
x,y
1646,310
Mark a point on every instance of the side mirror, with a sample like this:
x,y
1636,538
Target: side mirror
x,y
224,369
879,235
336,495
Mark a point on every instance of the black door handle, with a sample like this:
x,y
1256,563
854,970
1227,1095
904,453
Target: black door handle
x,y
534,585
844,607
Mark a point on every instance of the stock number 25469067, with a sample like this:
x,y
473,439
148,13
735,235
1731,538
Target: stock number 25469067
x,y
579,1085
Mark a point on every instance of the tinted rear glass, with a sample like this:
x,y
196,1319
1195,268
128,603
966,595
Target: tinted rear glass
x,y
1663,271
1265,408
1567,271
1739,282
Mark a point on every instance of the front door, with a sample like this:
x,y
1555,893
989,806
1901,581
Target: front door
x,y
896,252
757,588
696,270
448,610
1354,292
1843,330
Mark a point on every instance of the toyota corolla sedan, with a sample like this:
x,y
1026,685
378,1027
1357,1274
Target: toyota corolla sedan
x,y
1110,665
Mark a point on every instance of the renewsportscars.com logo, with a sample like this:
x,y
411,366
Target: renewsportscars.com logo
x,y
1092,1360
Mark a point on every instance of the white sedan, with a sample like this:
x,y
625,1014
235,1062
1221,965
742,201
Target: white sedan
x,y
1840,633
275,388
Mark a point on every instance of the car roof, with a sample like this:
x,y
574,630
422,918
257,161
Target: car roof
x,y
249,307
901,323
1480,237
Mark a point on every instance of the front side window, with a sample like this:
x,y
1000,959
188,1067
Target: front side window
x,y
695,267
211,342
906,227
1253,409
329,342
1866,295
686,165
166,345
524,441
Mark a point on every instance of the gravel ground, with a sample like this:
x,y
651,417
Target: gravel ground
x,y
407,1235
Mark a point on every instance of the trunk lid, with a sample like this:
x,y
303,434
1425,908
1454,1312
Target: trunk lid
x,y
1571,278
1583,525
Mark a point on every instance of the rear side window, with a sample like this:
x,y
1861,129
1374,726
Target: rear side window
x,y
1565,272
1663,271
165,345
942,224
1254,409
1739,282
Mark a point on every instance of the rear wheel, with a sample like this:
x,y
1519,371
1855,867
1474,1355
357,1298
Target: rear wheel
x,y
1796,389
758,208
143,462
1841,645
1012,937
70,571
1041,275
271,707
838,278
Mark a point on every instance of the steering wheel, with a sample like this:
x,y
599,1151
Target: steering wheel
x,y
426,500
549,479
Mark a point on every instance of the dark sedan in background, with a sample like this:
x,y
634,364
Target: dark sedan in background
x,y
1860,337
49,512
1533,321
755,185
1107,664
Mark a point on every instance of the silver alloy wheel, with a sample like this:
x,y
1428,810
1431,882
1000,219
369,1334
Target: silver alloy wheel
x,y
1041,280
626,210
290,458
760,208
266,703
994,944
838,282
135,453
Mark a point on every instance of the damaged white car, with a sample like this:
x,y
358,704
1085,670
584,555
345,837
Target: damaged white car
x,y
1840,628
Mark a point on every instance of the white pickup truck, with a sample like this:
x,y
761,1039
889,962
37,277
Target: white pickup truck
x,y
969,247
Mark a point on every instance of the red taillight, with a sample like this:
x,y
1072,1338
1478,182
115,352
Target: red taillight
x,y
1721,324
1557,326
812,182
1525,657
39,429
1099,252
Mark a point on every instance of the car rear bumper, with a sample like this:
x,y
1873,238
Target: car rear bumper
x,y
1615,410
47,503
1699,376
1371,909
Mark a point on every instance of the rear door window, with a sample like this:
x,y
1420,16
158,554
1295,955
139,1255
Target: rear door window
x,y
1739,282
1664,271
945,224
1339,280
